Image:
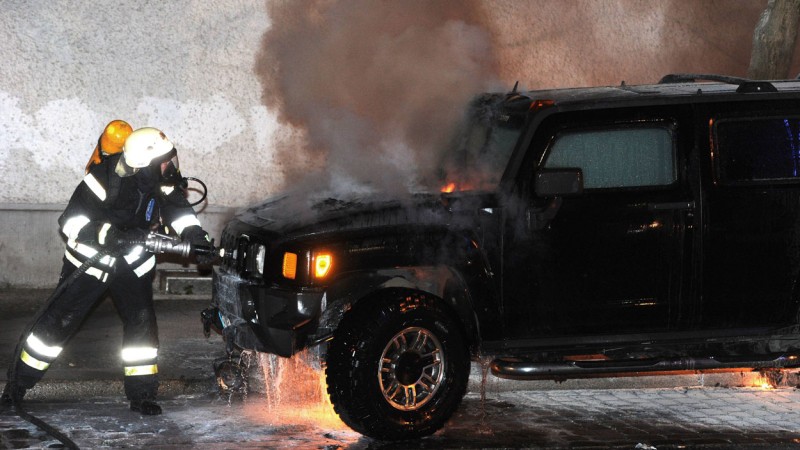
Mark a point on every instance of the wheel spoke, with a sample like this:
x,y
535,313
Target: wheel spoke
x,y
430,359
419,341
429,382
401,343
387,365
411,396
396,390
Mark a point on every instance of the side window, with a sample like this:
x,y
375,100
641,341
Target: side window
x,y
616,158
757,149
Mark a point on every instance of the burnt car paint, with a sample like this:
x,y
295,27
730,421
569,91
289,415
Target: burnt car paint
x,y
552,270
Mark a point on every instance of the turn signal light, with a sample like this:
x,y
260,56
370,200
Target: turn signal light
x,y
322,264
290,265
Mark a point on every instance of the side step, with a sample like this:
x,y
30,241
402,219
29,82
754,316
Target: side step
x,y
521,369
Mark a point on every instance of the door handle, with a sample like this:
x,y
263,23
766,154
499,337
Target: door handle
x,y
539,218
670,205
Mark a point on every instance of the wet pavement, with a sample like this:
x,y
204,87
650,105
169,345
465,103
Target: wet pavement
x,y
82,396
575,419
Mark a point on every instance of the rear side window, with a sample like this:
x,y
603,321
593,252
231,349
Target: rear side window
x,y
616,158
757,149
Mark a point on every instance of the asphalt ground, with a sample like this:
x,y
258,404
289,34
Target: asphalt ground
x,y
577,419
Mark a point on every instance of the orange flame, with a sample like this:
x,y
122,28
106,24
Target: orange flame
x,y
764,382
448,188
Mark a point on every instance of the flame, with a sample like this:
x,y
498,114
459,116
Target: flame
x,y
764,383
448,188
458,186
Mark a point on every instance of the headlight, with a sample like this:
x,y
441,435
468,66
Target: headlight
x,y
322,264
261,252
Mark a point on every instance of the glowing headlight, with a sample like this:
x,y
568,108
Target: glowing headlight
x,y
261,252
322,264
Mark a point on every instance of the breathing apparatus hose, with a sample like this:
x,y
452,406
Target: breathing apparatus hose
x,y
12,381
205,190
183,184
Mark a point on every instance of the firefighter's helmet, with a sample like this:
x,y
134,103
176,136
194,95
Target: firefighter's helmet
x,y
144,146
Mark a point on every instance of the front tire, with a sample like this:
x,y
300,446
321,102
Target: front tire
x,y
397,366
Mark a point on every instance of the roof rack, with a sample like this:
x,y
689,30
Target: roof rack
x,y
692,77
746,85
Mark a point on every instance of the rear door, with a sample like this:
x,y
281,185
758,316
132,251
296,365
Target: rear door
x,y
752,231
612,259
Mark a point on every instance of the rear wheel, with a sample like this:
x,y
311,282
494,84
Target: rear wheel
x,y
397,367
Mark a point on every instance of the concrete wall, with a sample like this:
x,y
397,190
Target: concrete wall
x,y
199,70
184,66
32,248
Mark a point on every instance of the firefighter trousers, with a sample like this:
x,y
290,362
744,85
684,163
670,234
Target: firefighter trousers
x,y
58,321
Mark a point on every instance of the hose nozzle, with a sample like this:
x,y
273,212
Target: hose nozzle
x,y
159,243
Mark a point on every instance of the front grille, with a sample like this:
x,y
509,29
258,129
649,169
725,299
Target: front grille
x,y
228,292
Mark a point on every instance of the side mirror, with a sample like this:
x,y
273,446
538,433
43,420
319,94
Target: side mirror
x,y
559,182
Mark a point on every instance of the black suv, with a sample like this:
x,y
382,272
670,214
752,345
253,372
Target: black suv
x,y
594,231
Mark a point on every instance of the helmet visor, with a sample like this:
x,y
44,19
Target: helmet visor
x,y
171,169
168,162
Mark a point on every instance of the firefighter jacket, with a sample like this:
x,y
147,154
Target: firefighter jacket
x,y
104,200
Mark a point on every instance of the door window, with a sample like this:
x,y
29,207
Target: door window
x,y
617,158
757,149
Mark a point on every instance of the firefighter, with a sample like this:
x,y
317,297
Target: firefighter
x,y
110,142
122,197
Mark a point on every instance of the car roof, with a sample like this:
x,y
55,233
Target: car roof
x,y
667,92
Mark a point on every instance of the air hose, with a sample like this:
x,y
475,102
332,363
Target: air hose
x,y
12,374
183,184
205,190
154,243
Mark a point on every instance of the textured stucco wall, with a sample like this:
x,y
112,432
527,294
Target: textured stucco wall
x,y
187,67
184,66
197,70
591,42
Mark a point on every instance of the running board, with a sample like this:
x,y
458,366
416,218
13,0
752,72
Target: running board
x,y
520,369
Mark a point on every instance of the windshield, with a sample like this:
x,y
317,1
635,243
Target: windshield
x,y
482,148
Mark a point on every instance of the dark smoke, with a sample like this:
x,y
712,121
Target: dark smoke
x,y
374,87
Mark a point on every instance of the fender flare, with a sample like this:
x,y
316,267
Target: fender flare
x,y
441,281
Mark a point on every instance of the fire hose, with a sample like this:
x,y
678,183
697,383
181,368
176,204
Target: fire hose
x,y
154,243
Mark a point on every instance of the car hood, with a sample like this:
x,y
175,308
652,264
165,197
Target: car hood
x,y
295,213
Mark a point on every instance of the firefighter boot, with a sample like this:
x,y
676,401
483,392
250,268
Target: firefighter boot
x,y
146,407
12,395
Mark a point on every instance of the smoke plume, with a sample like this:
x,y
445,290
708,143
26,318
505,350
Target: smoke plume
x,y
371,88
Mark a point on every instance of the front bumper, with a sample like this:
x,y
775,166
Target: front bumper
x,y
262,318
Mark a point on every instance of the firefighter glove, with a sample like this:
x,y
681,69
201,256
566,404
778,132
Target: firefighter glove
x,y
202,245
110,235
